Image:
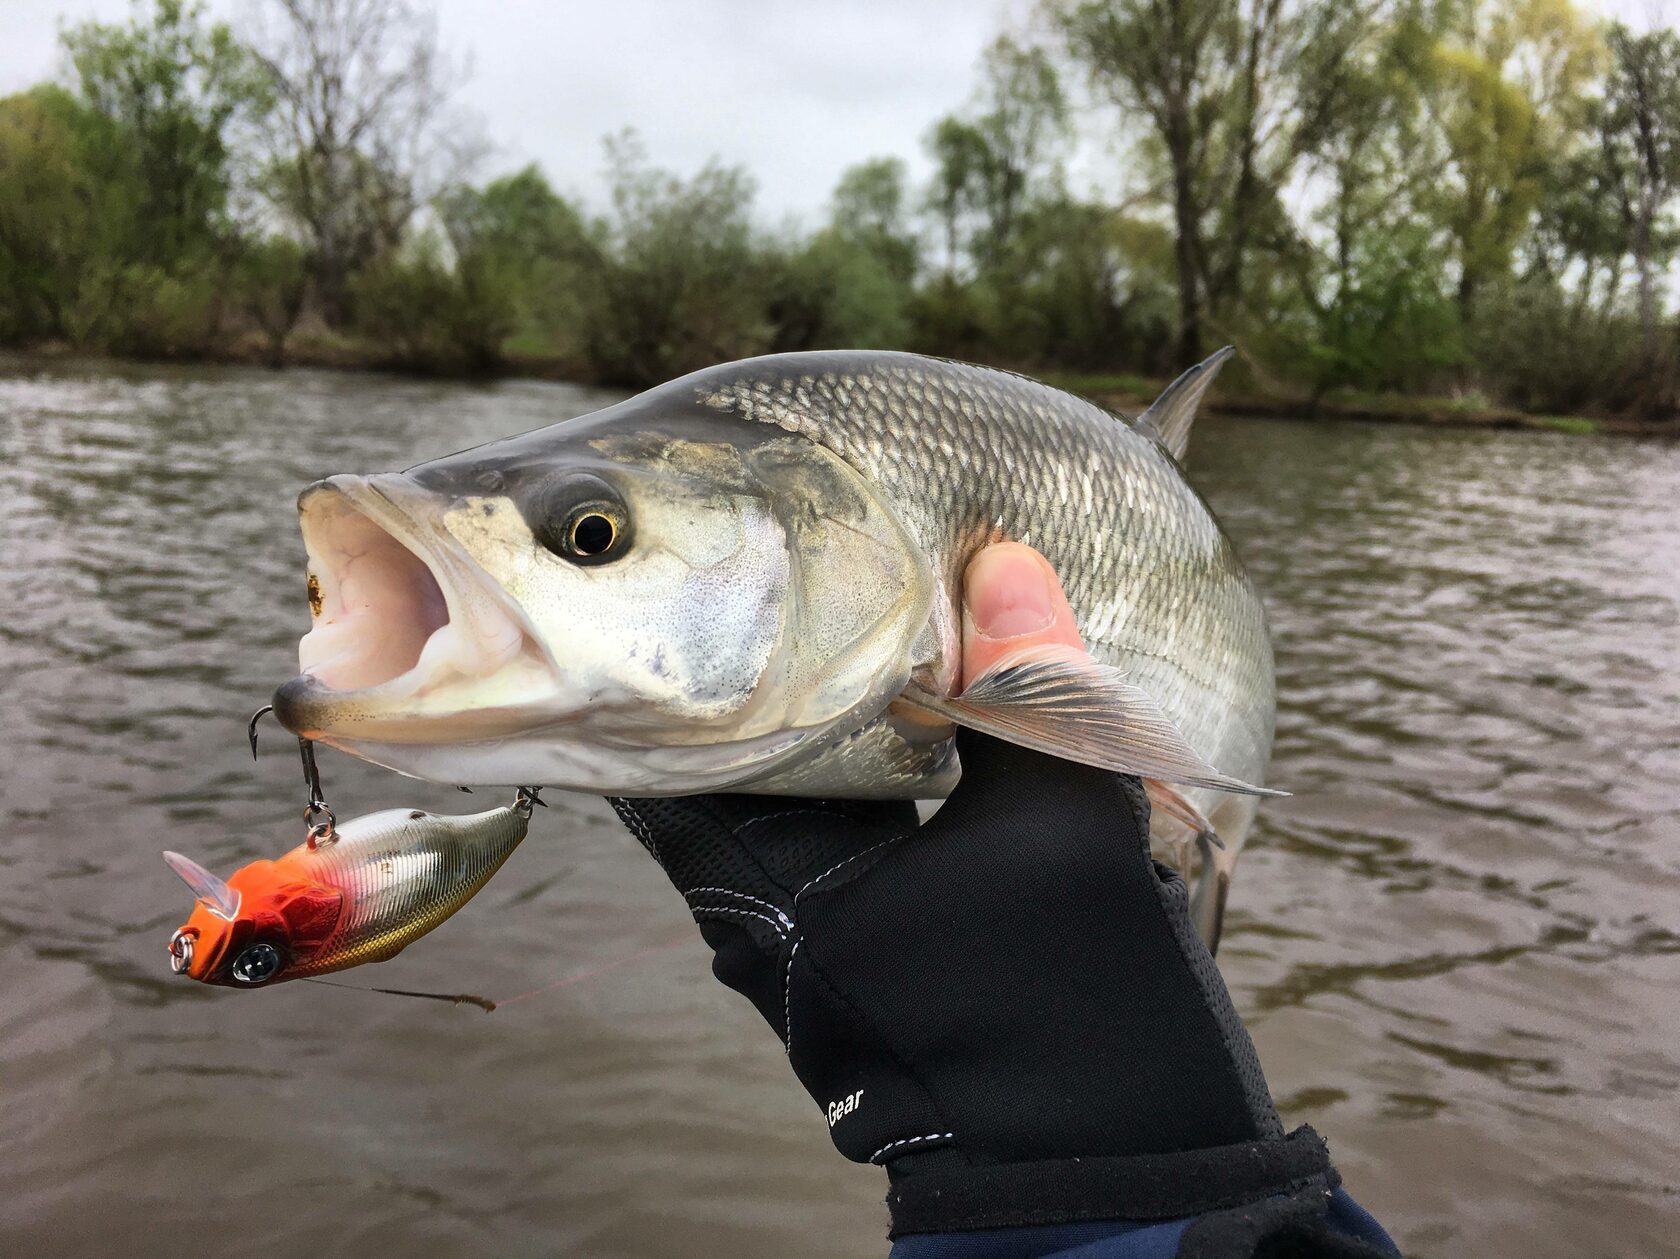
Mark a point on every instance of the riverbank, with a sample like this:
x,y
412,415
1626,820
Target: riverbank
x,y
1124,392
1130,394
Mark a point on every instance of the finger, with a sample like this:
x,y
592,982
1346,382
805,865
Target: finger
x,y
1012,599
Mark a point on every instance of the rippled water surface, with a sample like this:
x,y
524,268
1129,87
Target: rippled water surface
x,y
1458,945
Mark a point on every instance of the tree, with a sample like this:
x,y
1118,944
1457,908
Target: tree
x,y
176,89
850,284
270,279
1218,89
1504,93
522,256
1021,116
360,136
992,158
51,211
682,278
1355,293
870,208
959,154
1639,136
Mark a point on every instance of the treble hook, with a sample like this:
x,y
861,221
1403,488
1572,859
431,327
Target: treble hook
x,y
318,816
251,726
525,800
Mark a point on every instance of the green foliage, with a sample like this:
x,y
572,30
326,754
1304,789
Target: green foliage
x,y
113,199
1378,320
1396,197
682,277
1638,122
871,209
1579,425
1541,349
993,160
519,238
271,280
835,291
174,89
52,211
429,316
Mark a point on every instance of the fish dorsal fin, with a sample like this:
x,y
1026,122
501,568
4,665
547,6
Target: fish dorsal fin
x,y
1062,702
1168,420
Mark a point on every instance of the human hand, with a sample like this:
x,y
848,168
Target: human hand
x,y
1011,987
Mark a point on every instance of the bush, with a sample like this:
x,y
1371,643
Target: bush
x,y
432,317
682,280
1542,350
835,292
270,280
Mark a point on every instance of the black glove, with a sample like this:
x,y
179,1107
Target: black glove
x,y
1006,1006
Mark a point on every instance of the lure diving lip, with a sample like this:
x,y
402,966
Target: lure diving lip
x,y
376,885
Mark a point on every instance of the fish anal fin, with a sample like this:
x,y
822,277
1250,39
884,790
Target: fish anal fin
x,y
1061,702
1167,799
1170,416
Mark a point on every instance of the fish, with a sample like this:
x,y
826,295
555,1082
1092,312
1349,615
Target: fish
x,y
750,579
380,883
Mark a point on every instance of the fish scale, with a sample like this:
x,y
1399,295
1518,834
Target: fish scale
x,y
774,592
1156,586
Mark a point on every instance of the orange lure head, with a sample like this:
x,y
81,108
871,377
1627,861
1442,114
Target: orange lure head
x,y
261,926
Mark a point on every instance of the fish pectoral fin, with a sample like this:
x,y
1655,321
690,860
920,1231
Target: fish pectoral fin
x,y
1166,798
1063,703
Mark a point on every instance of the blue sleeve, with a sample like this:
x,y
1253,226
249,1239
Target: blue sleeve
x,y
1115,1239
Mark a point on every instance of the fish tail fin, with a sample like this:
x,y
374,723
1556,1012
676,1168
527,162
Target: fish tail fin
x,y
1213,884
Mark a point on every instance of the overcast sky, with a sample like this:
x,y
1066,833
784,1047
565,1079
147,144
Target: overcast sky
x,y
796,90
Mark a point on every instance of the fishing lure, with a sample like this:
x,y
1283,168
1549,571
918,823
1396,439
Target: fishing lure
x,y
350,894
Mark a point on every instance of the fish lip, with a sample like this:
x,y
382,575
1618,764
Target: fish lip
x,y
304,705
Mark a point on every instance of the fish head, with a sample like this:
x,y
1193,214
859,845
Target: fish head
x,y
654,599
264,924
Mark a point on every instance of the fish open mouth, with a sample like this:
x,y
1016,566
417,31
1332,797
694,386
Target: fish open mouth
x,y
406,626
376,604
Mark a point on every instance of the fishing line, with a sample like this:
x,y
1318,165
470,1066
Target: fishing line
x,y
456,998
593,971
487,1005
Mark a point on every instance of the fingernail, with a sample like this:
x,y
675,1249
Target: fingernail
x,y
1008,593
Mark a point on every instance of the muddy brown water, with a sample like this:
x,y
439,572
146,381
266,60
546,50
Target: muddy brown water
x,y
1458,945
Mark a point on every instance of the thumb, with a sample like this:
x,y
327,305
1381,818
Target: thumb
x,y
1012,599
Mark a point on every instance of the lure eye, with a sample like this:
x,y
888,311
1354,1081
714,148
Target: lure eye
x,y
257,964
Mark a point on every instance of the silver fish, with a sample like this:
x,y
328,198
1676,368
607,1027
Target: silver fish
x,y
749,578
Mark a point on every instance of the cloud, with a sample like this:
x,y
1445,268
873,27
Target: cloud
x,y
794,90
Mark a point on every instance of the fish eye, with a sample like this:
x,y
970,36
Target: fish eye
x,y
592,533
259,963
583,520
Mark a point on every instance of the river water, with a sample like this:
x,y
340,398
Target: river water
x,y
1458,944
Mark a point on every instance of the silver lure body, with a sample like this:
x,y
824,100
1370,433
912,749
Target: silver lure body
x,y
404,872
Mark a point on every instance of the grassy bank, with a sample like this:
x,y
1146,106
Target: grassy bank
x,y
1124,392
1130,394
